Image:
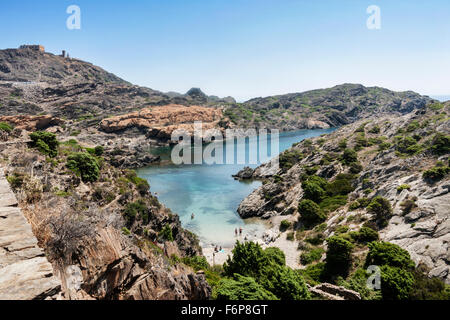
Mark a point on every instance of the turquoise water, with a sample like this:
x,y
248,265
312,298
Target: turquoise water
x,y
211,193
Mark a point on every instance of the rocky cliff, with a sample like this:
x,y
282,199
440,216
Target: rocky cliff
x,y
402,159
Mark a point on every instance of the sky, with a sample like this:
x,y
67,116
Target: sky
x,y
246,48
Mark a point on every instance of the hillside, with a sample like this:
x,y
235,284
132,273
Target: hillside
x,y
386,175
323,108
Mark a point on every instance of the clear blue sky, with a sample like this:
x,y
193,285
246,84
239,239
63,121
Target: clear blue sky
x,y
246,48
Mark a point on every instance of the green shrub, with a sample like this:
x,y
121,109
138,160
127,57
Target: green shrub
x,y
313,191
339,256
440,144
314,272
331,204
125,231
359,203
85,165
437,173
288,158
358,282
342,144
242,288
309,257
382,210
196,262
396,283
284,225
402,187
141,184
426,288
413,125
385,253
310,212
436,106
349,156
98,151
365,235
407,145
268,269
45,142
133,209
355,167
166,233
375,129
342,185
384,146
16,180
276,255
6,127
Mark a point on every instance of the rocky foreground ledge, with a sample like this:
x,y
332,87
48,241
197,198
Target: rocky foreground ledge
x,y
25,273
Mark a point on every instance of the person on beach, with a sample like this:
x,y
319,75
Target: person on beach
x,y
235,232
192,216
240,231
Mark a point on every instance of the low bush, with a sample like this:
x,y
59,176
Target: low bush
x,y
309,257
382,210
284,225
385,253
365,235
84,165
288,158
440,144
437,173
45,142
407,145
133,210
310,212
402,187
339,256
396,283
166,233
242,288
6,127
349,156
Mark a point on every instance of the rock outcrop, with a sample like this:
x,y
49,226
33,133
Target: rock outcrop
x,y
160,122
32,123
330,291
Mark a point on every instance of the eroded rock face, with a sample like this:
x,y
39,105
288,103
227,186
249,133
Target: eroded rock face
x,y
32,123
111,267
160,122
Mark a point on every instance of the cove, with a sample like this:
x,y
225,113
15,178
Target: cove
x,y
211,193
